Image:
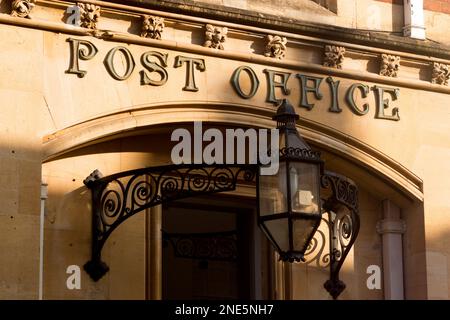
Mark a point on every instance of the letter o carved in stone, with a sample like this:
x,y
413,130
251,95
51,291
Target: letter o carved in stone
x,y
109,63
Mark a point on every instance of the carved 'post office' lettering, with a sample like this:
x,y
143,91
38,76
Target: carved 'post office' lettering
x,y
151,66
315,88
254,82
80,49
129,63
350,98
244,80
383,103
190,71
272,84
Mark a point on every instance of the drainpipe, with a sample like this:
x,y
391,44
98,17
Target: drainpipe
x,y
414,19
44,196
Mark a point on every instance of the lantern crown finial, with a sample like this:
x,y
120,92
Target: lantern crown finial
x,y
290,140
285,116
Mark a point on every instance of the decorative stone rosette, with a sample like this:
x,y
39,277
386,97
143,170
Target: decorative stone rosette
x,y
22,8
275,46
334,56
215,37
390,65
441,74
89,15
152,27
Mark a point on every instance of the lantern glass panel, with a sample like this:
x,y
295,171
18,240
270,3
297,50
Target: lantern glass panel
x,y
305,185
273,192
302,230
279,229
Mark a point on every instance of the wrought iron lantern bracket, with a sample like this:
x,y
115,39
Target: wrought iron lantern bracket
x,y
117,197
343,224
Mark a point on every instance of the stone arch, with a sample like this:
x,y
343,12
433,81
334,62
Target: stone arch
x,y
389,174
380,176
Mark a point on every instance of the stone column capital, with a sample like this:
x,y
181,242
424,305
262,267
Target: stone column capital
x,y
391,226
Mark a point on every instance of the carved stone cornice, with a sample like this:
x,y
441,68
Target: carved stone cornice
x,y
215,36
389,65
152,27
334,56
89,14
279,23
275,46
298,43
441,73
22,8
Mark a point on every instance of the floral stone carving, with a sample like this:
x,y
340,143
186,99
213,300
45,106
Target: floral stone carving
x,y
275,47
390,65
89,15
22,8
441,74
215,36
334,56
152,27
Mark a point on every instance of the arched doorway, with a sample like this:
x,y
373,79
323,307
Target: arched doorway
x,y
128,248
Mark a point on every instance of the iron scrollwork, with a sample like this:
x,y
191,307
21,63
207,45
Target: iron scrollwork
x,y
299,153
316,251
117,197
343,222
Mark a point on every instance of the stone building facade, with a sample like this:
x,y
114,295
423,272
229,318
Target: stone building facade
x,y
102,85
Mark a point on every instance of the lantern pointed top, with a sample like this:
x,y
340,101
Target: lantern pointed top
x,y
285,112
286,116
290,139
